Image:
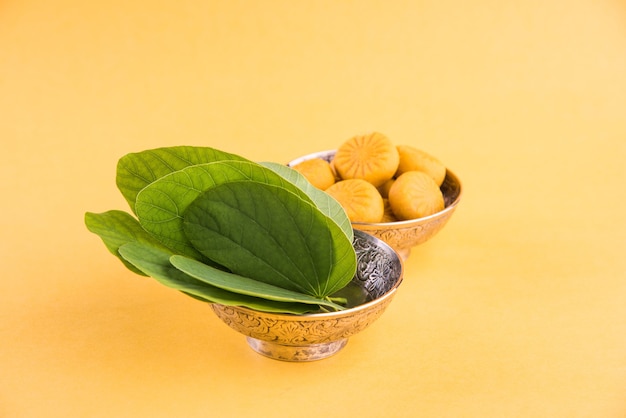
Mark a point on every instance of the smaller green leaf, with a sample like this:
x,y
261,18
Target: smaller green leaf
x,y
117,228
243,285
155,263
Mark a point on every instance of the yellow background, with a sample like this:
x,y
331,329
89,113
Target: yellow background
x,y
516,309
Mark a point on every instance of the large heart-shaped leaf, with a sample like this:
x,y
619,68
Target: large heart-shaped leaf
x,y
323,200
155,262
160,205
136,170
270,234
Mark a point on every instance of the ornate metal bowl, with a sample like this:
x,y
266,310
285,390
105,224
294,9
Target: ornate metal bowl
x,y
316,336
403,235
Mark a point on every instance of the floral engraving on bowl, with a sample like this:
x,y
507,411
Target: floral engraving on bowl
x,y
293,331
373,268
410,236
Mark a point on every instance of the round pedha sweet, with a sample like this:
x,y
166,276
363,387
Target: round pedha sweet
x,y
373,158
317,171
359,198
413,159
414,195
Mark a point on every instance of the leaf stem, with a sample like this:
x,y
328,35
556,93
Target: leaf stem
x,y
337,299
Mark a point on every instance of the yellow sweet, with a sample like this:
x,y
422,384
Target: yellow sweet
x,y
413,159
359,199
373,158
415,194
317,171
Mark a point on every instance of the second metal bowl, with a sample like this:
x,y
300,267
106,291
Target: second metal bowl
x,y
403,235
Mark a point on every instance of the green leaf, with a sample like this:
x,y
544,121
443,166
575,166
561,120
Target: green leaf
x,y
155,262
244,285
160,205
117,228
270,234
325,203
136,170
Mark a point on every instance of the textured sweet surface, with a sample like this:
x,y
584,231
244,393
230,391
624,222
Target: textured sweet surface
x,y
372,157
359,198
317,171
414,195
415,159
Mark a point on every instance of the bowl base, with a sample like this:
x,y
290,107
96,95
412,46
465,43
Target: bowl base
x,y
309,352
